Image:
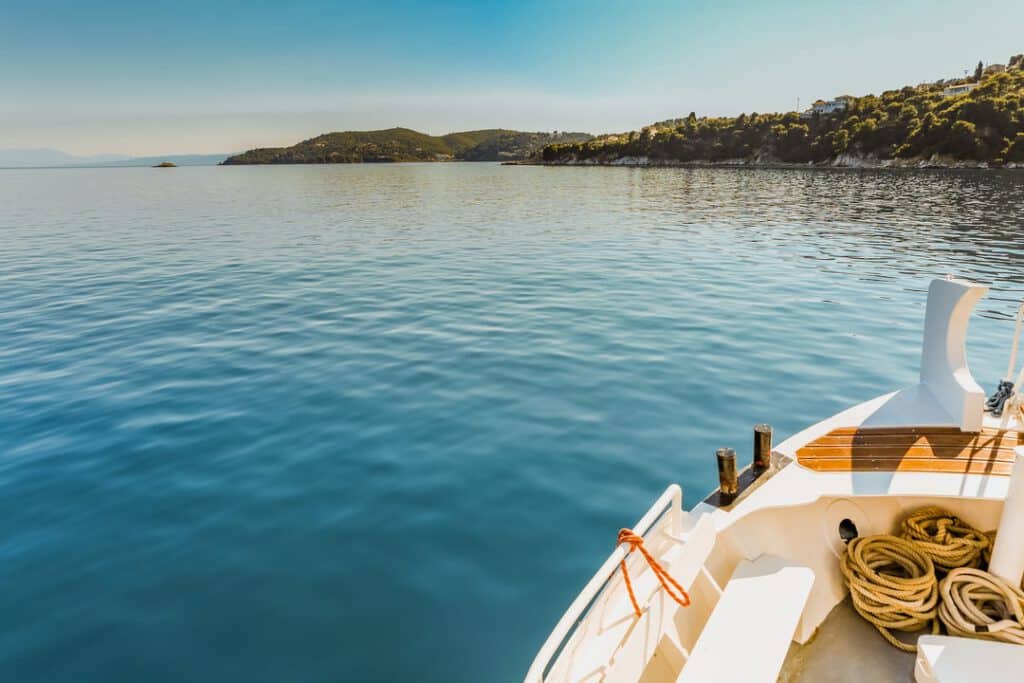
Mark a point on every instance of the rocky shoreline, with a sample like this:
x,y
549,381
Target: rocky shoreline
x,y
844,161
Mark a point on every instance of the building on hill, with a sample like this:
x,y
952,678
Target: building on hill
x,y
994,69
959,89
823,107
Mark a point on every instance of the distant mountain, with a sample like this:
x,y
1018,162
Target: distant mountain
x,y
48,158
404,144
15,158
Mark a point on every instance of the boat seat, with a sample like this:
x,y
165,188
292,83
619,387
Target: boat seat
x,y
952,659
747,636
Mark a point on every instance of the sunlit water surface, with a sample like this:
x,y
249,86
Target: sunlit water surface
x,y
380,423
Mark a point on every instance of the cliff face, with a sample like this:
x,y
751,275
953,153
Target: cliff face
x,y
936,124
403,144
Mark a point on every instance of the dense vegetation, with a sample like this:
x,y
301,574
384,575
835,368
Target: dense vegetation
x,y
912,123
403,144
507,145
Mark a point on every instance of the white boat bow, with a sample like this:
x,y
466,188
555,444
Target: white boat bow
x,y
767,599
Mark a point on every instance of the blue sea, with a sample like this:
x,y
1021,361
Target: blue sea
x,y
381,423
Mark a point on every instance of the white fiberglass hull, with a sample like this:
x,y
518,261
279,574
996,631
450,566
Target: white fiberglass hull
x,y
767,597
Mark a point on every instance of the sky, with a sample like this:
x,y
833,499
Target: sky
x,y
150,78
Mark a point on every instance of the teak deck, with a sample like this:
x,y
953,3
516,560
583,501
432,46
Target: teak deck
x,y
911,449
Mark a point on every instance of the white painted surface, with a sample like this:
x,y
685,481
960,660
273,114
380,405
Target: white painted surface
x,y
949,659
944,370
1008,553
697,545
748,634
794,486
592,634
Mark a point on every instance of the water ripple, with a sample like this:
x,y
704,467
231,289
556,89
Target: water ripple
x,y
279,423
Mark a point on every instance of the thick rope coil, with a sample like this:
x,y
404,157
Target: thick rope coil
x,y
671,586
947,540
892,585
981,605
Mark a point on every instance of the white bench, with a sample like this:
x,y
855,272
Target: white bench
x,y
747,636
951,659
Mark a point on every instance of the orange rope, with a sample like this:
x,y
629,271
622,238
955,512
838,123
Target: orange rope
x,y
667,582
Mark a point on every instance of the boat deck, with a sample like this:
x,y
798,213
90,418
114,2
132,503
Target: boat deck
x,y
911,449
846,649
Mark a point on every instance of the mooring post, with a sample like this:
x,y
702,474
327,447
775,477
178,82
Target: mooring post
x,y
762,448
727,480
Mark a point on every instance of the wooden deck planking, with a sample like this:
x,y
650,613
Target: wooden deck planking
x,y
911,449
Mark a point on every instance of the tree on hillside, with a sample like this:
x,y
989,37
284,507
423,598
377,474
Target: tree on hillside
x,y
963,140
978,71
1014,150
913,122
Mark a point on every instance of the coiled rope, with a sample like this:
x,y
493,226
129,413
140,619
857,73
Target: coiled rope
x,y
948,541
892,585
671,586
979,604
893,582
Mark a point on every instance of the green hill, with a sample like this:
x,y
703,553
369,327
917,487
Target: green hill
x,y
471,138
982,121
505,145
403,144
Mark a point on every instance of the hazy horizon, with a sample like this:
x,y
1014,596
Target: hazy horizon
x,y
120,79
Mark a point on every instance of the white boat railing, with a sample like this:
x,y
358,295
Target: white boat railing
x,y
672,500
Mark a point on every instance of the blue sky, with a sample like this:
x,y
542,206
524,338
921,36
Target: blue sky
x,y
158,78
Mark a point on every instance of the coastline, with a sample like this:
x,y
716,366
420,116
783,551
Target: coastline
x,y
841,162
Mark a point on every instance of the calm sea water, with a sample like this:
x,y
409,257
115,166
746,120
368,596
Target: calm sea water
x,y
380,423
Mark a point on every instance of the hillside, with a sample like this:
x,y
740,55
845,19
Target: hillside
x,y
403,144
962,121
505,145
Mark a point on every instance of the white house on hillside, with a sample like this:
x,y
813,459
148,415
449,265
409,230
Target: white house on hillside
x,y
959,89
826,107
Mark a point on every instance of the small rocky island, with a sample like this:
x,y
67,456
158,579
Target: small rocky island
x,y
166,164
